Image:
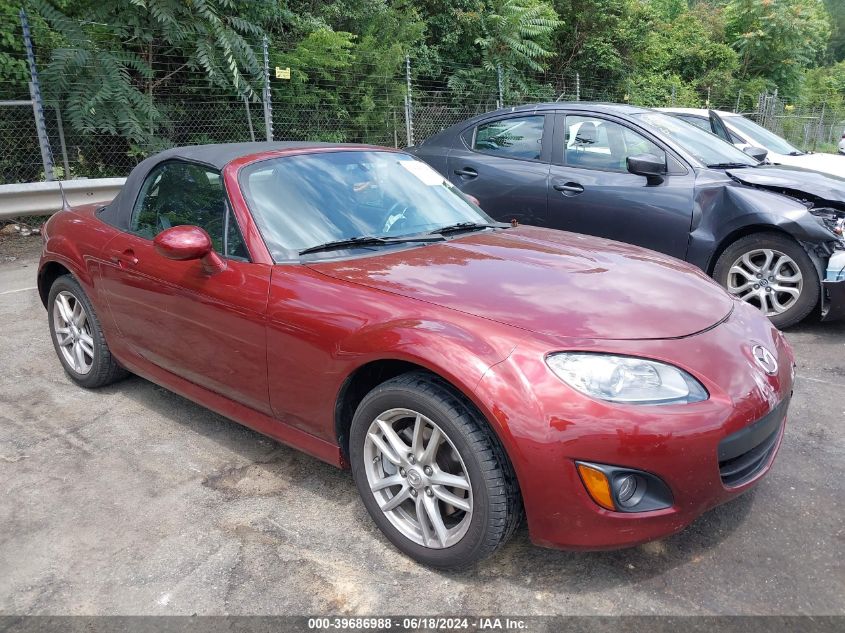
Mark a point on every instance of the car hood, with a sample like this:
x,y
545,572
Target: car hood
x,y
794,179
550,282
827,163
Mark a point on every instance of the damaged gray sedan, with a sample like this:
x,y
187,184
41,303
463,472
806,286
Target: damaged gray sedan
x,y
773,236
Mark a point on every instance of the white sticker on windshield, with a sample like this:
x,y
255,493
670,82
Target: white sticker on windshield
x,y
422,171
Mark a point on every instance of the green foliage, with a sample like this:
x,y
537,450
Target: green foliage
x,y
512,37
105,69
778,40
836,8
129,73
513,33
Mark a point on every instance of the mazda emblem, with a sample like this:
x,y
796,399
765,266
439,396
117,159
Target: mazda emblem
x,y
765,359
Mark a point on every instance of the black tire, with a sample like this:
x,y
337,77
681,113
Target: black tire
x,y
104,368
496,506
810,288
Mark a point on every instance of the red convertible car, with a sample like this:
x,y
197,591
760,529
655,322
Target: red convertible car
x,y
350,302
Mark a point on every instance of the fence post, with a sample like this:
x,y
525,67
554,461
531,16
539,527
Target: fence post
x,y
501,103
409,104
738,96
819,128
37,105
268,105
707,104
673,95
577,86
62,143
249,119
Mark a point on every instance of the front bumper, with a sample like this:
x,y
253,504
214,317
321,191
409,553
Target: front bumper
x,y
833,300
680,444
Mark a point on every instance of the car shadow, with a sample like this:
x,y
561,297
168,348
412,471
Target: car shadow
x,y
262,458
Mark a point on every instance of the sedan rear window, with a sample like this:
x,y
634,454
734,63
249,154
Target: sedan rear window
x,y
516,137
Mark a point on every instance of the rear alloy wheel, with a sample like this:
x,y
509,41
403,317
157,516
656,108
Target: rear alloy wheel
x,y
77,336
773,273
431,474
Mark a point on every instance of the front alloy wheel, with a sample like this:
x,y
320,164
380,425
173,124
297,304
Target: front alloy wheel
x,y
768,279
772,272
418,478
431,473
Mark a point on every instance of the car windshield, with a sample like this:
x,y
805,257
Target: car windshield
x,y
706,147
760,136
304,201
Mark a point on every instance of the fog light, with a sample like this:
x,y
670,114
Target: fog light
x,y
630,489
627,487
624,489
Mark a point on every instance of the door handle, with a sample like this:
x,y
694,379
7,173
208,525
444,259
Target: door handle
x,y
127,257
570,187
468,172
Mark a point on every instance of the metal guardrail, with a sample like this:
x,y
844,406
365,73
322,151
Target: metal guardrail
x,y
45,198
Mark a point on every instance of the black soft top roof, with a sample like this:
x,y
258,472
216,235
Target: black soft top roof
x,y
220,154
118,213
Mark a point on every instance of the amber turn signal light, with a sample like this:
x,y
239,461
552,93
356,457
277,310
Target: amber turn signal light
x,y
596,483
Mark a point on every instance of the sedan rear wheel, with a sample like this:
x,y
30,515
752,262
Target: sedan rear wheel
x,y
431,473
773,273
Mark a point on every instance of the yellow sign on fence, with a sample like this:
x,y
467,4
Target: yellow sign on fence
x,y
282,73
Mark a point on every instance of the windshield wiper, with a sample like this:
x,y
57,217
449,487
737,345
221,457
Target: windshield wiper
x,y
797,153
368,240
466,226
728,165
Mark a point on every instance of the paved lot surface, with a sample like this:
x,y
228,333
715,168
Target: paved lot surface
x,y
132,500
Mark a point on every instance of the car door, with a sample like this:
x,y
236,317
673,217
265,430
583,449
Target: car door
x,y
207,328
503,162
718,126
706,124
591,191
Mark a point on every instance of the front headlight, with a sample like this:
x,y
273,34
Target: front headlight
x,y
625,379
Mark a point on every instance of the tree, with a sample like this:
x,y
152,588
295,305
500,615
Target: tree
x,y
837,40
777,40
512,35
116,55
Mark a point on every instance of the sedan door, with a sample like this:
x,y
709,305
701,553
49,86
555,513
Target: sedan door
x,y
504,163
591,190
205,327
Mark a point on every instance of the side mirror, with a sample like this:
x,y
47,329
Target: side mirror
x,y
184,242
648,165
757,153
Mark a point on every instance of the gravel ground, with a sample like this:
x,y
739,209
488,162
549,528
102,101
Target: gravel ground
x,y
132,500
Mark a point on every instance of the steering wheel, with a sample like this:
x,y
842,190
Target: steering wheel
x,y
395,218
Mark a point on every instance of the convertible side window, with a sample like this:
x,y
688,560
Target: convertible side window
x,y
176,193
516,137
595,143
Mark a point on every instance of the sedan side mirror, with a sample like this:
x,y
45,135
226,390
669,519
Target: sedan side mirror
x,y
184,242
648,165
757,153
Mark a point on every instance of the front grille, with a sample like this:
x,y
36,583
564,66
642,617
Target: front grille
x,y
745,453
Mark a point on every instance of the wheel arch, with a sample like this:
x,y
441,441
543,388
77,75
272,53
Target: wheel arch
x,y
370,375
744,231
47,275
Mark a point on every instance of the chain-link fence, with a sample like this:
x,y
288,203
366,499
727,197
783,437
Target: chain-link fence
x,y
92,133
